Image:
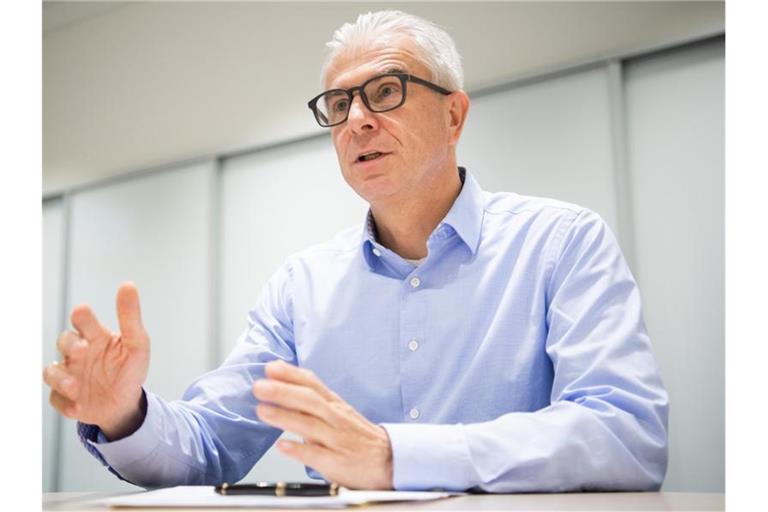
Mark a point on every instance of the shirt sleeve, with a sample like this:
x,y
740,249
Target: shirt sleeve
x,y
606,425
212,435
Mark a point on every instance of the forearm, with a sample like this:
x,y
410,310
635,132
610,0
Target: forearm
x,y
565,447
175,445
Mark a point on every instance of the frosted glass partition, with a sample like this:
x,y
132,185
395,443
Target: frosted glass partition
x,y
548,138
274,203
155,231
53,273
675,127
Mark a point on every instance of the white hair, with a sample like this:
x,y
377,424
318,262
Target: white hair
x,y
435,48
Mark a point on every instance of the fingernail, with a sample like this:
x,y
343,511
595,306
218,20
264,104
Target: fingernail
x,y
66,383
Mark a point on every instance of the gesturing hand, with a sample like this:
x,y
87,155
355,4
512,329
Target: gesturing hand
x,y
338,441
99,380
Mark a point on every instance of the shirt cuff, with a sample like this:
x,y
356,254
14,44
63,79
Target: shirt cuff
x,y
136,446
430,456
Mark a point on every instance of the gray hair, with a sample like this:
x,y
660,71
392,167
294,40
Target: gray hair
x,y
435,48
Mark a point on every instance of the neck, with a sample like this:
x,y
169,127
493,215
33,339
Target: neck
x,y
403,226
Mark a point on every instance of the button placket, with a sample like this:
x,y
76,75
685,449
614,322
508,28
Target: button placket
x,y
413,320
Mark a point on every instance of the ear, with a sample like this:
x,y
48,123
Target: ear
x,y
458,108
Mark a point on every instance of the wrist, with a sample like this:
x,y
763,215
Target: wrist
x,y
123,425
388,476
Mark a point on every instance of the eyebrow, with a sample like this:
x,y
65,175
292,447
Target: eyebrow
x,y
390,69
394,69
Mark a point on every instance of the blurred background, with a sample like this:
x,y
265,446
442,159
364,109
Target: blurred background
x,y
178,152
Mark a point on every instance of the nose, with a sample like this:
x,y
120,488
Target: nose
x,y
360,118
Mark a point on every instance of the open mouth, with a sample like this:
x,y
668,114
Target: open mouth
x,y
367,157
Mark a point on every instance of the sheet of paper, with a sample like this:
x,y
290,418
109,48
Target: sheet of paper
x,y
205,496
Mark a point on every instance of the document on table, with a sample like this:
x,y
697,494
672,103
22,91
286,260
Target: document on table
x,y
191,496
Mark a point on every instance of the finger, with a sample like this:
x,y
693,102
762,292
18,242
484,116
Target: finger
x,y
85,321
64,405
70,342
129,314
313,455
308,427
281,370
60,381
292,396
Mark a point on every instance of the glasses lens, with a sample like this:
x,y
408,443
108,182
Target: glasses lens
x,y
332,107
384,93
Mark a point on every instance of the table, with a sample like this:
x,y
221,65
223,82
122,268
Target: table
x,y
555,502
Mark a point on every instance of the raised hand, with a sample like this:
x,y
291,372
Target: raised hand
x,y
339,442
99,380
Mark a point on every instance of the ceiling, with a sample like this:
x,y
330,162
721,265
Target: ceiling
x,y
134,85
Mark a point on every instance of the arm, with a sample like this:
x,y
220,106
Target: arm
x,y
212,434
606,427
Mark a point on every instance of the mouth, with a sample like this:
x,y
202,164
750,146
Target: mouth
x,y
370,156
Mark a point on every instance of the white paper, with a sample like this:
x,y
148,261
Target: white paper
x,y
205,496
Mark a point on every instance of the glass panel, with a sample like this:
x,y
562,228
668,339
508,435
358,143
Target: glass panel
x,y
155,231
675,139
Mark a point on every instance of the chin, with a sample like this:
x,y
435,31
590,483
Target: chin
x,y
371,188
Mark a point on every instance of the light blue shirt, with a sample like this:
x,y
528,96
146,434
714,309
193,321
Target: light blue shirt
x,y
514,358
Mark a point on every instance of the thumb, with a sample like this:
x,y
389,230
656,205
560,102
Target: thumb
x,y
129,314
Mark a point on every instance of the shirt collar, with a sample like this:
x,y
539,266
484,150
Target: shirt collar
x,y
465,218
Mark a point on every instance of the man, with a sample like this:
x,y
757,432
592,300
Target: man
x,y
458,339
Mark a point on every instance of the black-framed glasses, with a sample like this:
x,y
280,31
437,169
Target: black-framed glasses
x,y
381,93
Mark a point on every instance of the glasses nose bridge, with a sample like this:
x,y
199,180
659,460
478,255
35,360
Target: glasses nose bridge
x,y
360,92
363,98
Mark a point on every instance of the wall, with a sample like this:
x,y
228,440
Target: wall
x,y
639,141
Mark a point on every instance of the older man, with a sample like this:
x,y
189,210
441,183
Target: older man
x,y
457,339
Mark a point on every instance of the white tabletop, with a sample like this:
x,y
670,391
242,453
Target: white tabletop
x,y
554,502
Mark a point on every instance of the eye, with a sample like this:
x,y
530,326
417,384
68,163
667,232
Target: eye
x,y
386,90
340,106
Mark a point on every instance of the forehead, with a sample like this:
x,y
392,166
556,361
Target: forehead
x,y
354,65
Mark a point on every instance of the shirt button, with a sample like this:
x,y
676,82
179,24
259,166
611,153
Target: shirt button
x,y
414,413
413,345
376,252
415,282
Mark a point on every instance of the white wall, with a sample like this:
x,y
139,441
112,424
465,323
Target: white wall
x,y
675,136
547,138
155,231
53,283
553,137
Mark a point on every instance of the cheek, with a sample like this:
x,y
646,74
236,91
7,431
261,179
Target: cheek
x,y
340,145
427,140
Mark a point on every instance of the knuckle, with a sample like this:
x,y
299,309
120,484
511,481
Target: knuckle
x,y
77,346
340,407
